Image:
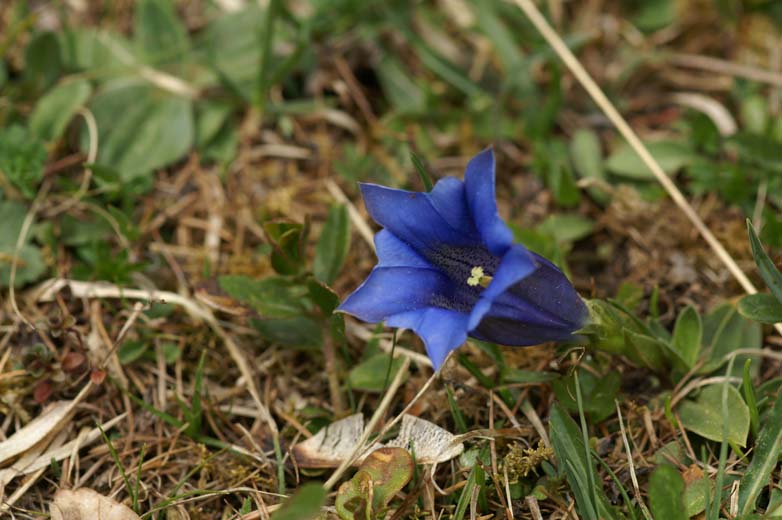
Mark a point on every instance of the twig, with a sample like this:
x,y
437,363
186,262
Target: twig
x,y
716,65
635,142
631,466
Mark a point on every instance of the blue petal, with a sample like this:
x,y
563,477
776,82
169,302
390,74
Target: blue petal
x,y
516,264
542,307
479,181
441,330
392,252
423,220
391,290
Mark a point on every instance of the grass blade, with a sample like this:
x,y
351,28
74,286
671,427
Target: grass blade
x,y
764,460
768,271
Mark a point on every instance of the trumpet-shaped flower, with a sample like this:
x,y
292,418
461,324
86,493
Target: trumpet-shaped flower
x,y
448,268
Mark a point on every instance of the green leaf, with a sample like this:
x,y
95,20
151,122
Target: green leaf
x,y
704,415
768,271
763,308
369,375
567,227
724,331
765,457
31,265
569,448
22,157
672,156
587,157
299,331
158,31
598,392
383,473
42,62
754,114
696,496
54,111
141,128
272,297
304,505
132,350
399,88
333,245
687,335
288,240
666,493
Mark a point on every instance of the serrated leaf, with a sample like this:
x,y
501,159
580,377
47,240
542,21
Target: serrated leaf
x,y
666,493
687,335
333,245
671,155
304,505
763,308
54,111
765,457
768,271
705,416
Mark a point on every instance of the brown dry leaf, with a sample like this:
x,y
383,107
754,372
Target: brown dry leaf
x,y
86,504
430,443
334,443
331,445
35,431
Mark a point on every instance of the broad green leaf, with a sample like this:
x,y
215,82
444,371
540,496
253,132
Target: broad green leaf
x,y
304,505
130,351
95,50
272,297
370,375
687,335
299,331
705,417
158,32
764,308
671,155
141,128
757,149
598,392
768,271
333,245
31,265
579,470
383,473
42,62
211,116
54,111
724,331
567,227
765,457
587,157
646,350
22,157
666,493
697,495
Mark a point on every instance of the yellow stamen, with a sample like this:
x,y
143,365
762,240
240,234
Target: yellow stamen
x,y
478,277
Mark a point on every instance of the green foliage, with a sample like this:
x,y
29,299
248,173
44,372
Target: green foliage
x,y
704,415
30,266
763,308
333,244
383,473
671,155
666,493
22,157
687,335
568,444
370,375
765,457
305,504
768,271
599,393
54,111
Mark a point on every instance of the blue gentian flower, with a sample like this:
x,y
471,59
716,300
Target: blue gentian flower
x,y
448,268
